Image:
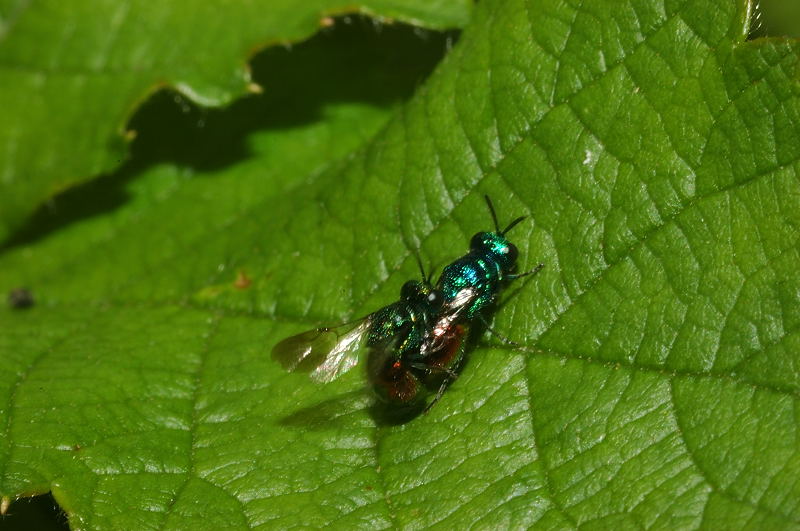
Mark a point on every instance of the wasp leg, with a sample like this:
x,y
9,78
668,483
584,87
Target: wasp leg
x,y
429,370
500,336
449,377
531,272
439,394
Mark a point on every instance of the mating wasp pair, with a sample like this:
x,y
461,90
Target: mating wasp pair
x,y
416,343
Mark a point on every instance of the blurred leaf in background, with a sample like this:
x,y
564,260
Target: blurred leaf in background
x,y
776,18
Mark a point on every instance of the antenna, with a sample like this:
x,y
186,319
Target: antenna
x,y
512,225
494,216
421,269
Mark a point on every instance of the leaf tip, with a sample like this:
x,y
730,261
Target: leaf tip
x,y
5,502
254,88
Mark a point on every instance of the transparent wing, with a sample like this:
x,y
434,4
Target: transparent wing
x,y
462,300
325,353
343,356
444,327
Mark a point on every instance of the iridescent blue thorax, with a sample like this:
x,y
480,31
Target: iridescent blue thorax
x,y
406,321
472,282
395,339
403,322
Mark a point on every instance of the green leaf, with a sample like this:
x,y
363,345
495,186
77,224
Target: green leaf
x,y
73,73
656,154
775,18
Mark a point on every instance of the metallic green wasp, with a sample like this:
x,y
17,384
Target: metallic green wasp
x,y
394,337
472,283
416,343
470,286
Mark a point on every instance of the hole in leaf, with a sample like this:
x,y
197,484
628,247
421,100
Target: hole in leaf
x,y
37,512
354,59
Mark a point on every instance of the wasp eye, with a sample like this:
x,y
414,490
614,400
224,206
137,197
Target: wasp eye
x,y
409,290
478,241
512,253
435,298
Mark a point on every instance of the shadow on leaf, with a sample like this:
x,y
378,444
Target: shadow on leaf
x,y
343,412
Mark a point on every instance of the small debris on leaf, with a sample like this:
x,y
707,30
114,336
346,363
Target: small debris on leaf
x,y
20,298
242,281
